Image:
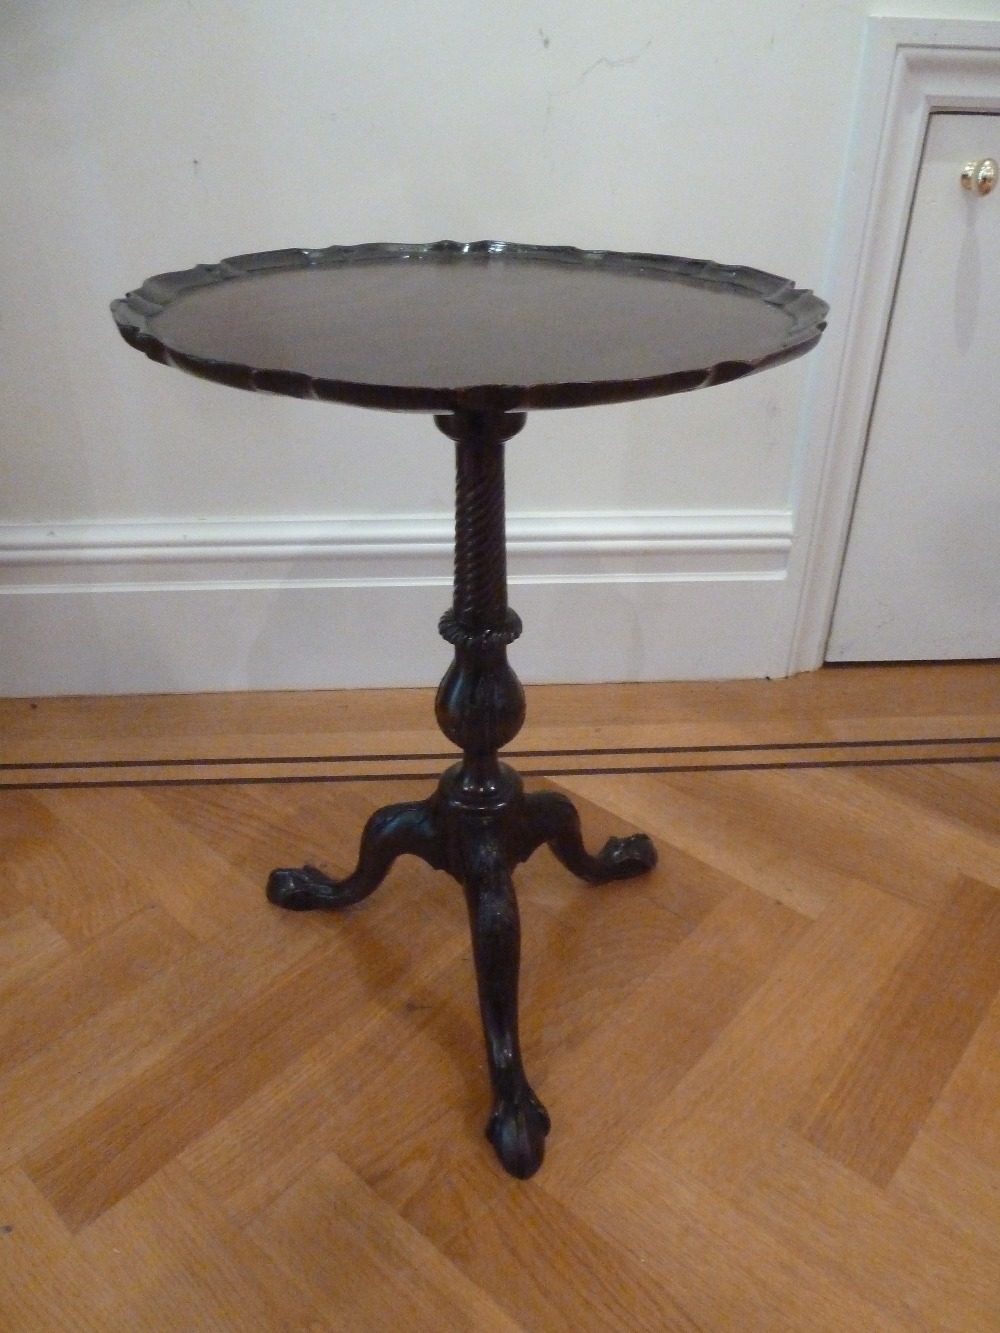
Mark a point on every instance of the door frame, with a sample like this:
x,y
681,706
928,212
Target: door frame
x,y
911,69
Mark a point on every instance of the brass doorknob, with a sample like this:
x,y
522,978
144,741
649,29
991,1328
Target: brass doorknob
x,y
979,177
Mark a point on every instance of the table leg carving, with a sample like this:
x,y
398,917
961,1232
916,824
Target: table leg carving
x,y
552,818
479,824
409,827
518,1122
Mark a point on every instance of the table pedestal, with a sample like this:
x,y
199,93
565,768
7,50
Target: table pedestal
x,y
480,823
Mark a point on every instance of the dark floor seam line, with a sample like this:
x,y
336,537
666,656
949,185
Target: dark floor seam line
x,y
139,783
768,747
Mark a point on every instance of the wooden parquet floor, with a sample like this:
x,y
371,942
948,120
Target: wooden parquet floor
x,y
773,1066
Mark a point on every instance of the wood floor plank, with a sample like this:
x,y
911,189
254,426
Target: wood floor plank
x,y
752,1079
773,1064
167,1259
45,1285
71,988
798,836
224,1059
434,1162
258,828
922,839
903,696
873,1099
864,1240
28,944
636,1057
65,873
25,828
552,1271
722,1265
587,961
263,1146
45,1094
681,884
968,796
196,886
707,817
108,1152
235,724
944,1183
358,1257
969,1106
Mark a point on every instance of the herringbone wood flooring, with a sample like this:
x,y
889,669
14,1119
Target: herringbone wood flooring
x,y
773,1066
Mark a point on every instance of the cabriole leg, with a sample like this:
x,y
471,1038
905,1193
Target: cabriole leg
x,y
552,818
410,827
519,1122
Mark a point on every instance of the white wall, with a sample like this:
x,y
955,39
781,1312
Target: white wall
x,y
139,137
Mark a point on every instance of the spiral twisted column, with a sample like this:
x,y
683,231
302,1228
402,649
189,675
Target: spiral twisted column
x,y
479,605
480,703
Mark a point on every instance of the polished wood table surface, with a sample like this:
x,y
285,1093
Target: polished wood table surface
x,y
477,334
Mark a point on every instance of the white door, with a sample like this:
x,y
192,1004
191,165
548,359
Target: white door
x,y
921,577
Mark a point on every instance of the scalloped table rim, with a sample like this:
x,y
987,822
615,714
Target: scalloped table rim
x,y
135,316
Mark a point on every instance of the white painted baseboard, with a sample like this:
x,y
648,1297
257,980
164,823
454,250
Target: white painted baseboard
x,y
354,601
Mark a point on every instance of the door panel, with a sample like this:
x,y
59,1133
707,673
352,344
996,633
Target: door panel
x,y
921,576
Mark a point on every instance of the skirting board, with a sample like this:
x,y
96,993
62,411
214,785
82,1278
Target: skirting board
x,y
354,601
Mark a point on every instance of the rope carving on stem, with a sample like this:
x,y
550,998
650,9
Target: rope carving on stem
x,y
479,613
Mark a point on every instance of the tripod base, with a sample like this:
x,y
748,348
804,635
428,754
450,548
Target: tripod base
x,y
480,823
478,832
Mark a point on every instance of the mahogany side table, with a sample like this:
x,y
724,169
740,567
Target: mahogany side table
x,y
477,334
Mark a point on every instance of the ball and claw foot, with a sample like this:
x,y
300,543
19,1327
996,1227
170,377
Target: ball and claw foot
x,y
517,1130
621,858
304,890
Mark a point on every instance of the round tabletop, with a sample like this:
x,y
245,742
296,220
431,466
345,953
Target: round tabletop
x,y
483,326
